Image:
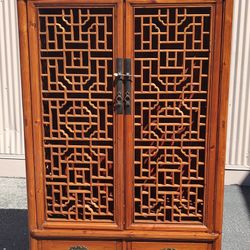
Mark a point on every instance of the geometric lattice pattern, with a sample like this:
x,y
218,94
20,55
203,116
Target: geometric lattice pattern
x,y
171,84
76,56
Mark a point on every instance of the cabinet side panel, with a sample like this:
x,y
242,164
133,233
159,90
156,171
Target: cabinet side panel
x,y
223,108
27,111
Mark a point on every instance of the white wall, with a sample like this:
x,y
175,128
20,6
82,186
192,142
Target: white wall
x,y
238,136
11,128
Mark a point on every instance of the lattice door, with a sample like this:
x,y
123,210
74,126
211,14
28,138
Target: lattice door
x,y
79,130
77,95
167,150
122,118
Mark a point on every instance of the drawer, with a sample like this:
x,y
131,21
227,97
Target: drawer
x,y
169,246
86,245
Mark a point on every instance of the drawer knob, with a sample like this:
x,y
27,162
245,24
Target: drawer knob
x,y
168,248
78,248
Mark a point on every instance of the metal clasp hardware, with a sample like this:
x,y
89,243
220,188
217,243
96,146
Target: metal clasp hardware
x,y
118,103
168,248
126,78
78,248
127,86
121,74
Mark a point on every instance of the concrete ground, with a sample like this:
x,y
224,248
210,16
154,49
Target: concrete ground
x,y
13,216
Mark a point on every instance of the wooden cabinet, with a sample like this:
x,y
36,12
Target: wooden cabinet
x,y
125,107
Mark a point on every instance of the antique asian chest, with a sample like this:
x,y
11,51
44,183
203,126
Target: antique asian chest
x,y
125,106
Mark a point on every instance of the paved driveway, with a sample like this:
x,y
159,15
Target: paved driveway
x,y
13,216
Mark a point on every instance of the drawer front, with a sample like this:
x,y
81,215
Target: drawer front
x,y
82,245
169,246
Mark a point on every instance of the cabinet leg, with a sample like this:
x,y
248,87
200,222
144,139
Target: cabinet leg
x,y
217,243
34,244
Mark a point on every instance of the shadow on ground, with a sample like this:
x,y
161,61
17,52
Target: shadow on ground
x,y
245,191
14,229
236,220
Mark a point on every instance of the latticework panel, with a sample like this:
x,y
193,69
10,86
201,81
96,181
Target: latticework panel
x,y
171,66
76,56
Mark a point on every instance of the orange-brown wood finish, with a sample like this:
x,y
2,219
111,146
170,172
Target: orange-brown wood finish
x,y
92,245
177,246
152,179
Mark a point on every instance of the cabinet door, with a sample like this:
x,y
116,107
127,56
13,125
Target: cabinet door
x,y
73,49
171,133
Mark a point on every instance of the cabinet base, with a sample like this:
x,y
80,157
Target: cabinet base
x,y
118,245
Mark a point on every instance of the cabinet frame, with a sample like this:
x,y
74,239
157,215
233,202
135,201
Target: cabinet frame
x,y
217,144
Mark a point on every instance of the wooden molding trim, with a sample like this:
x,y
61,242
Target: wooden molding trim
x,y
124,235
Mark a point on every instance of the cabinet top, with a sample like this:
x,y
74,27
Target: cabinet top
x,y
131,1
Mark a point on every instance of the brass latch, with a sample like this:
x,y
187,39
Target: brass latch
x,y
78,248
168,248
123,100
